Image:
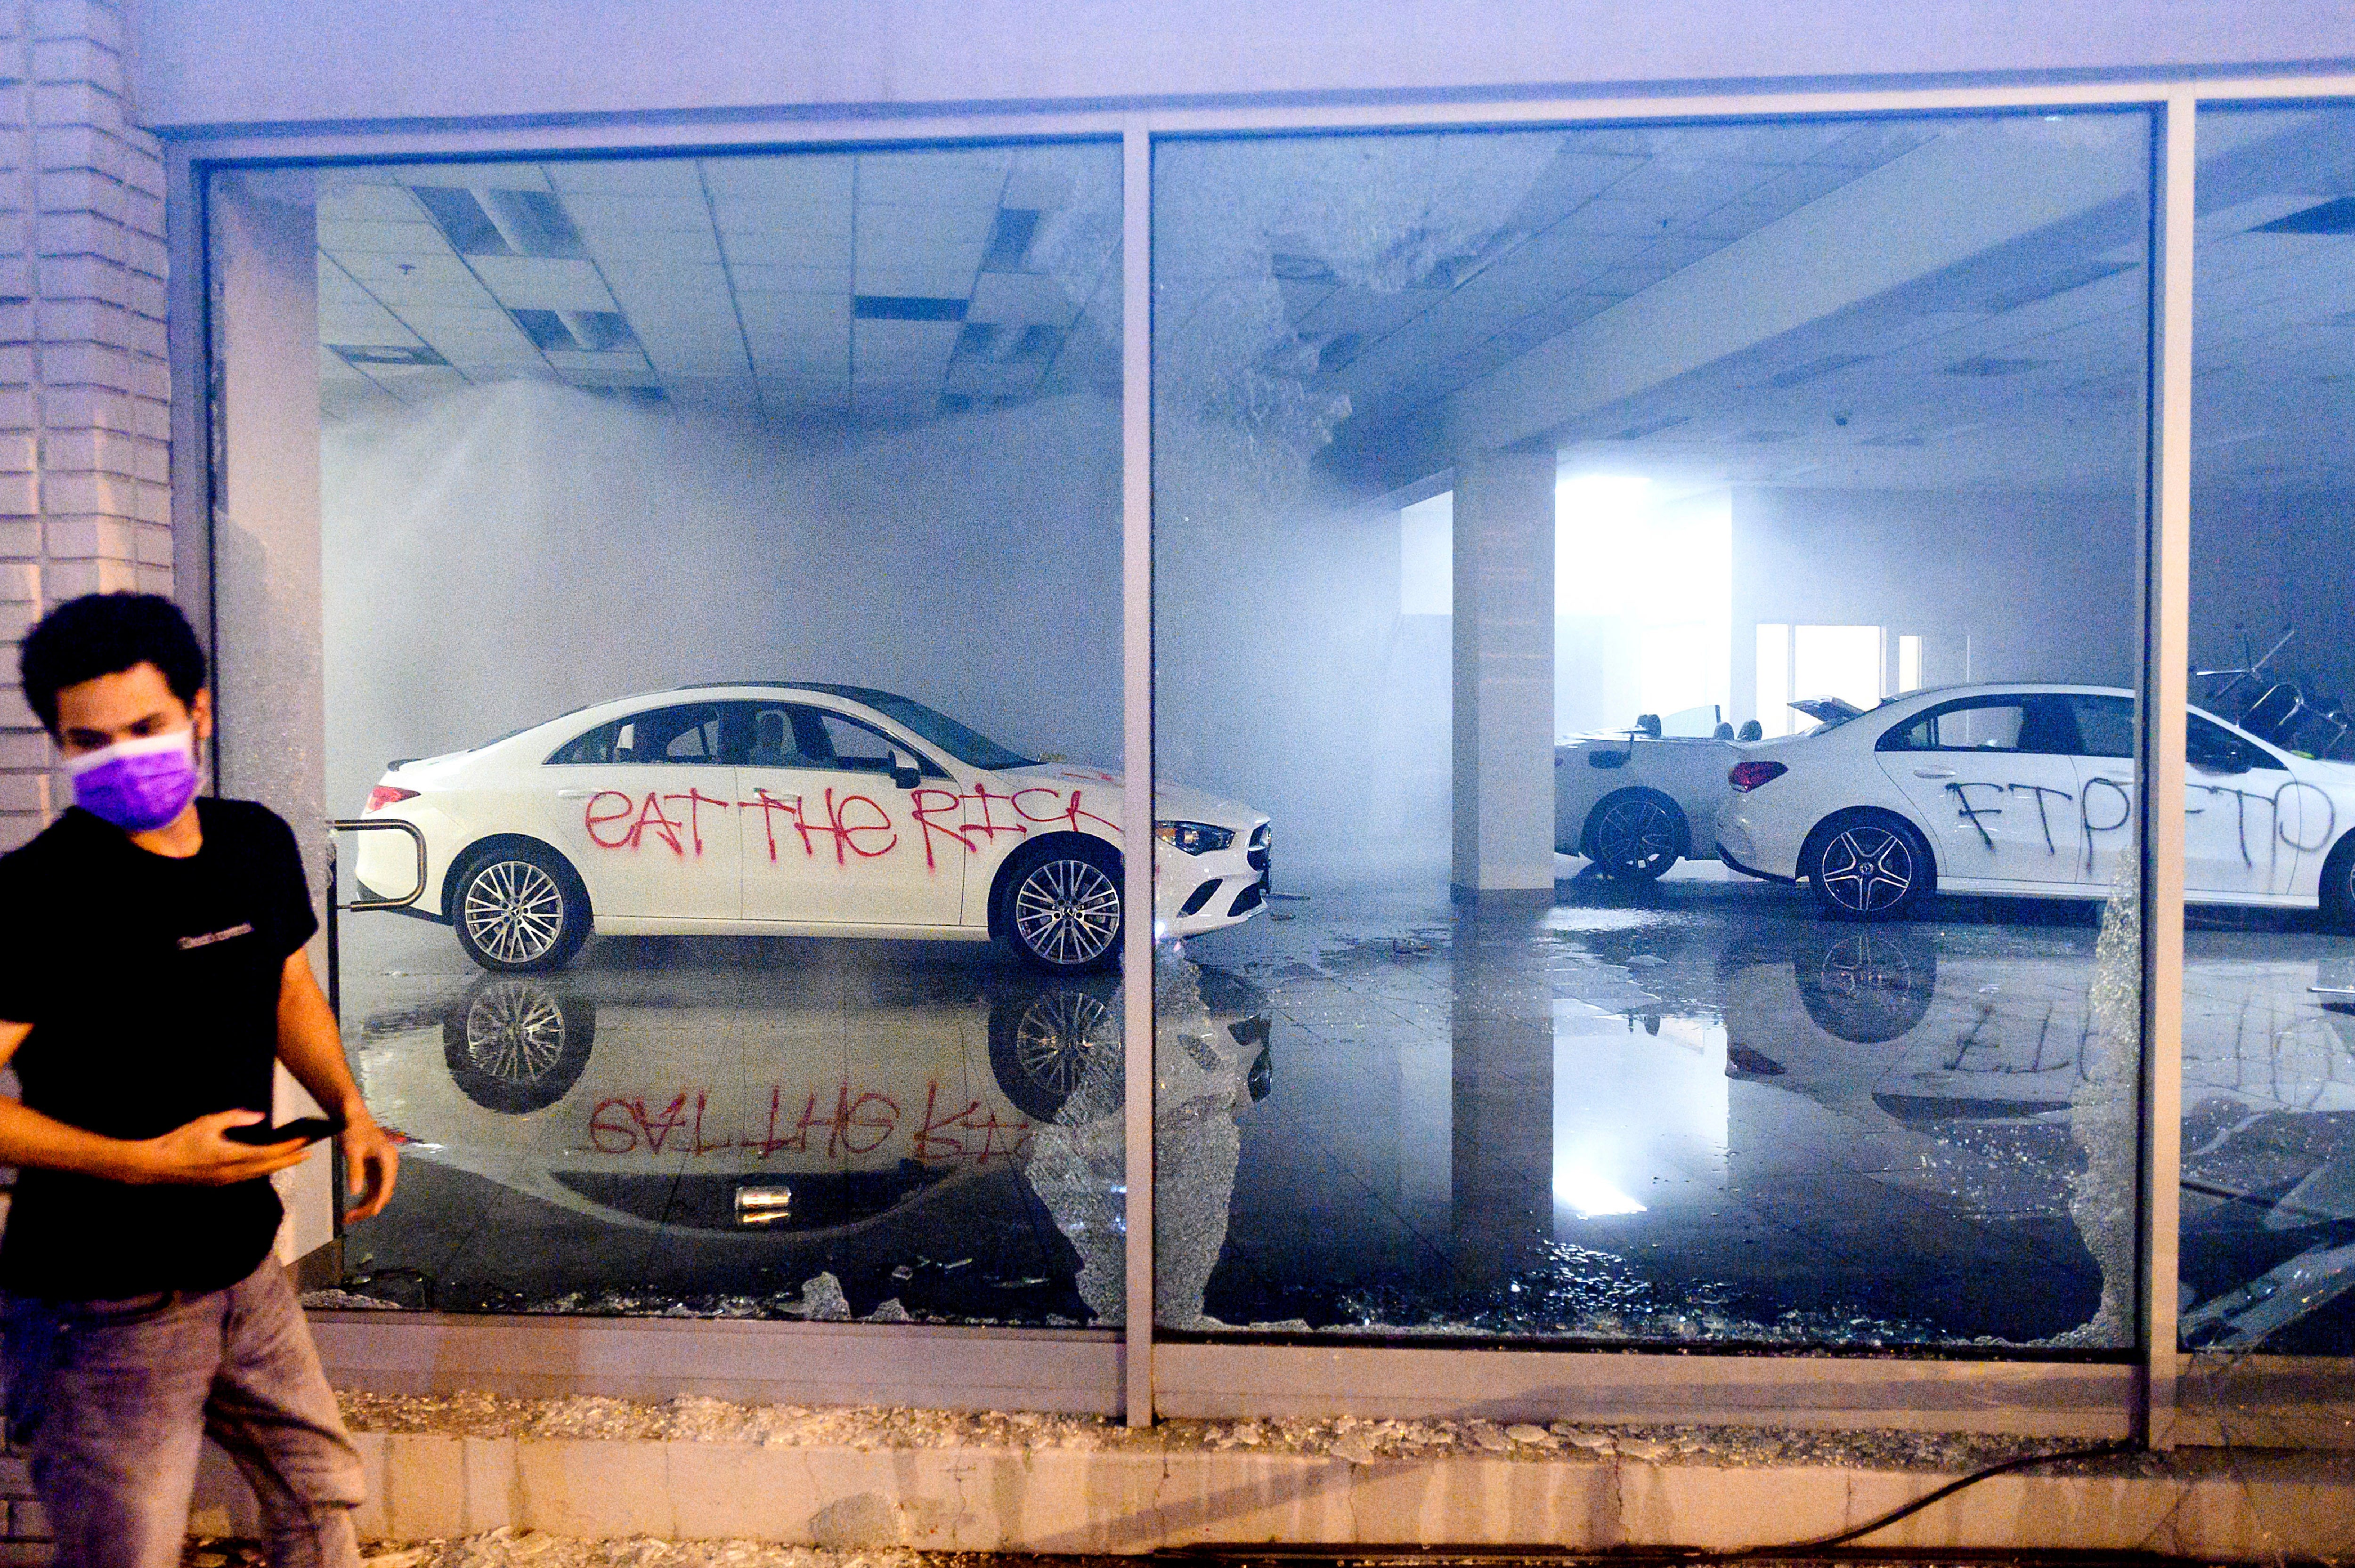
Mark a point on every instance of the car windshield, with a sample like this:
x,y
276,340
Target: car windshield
x,y
976,750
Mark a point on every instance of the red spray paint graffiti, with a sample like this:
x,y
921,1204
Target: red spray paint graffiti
x,y
857,827
857,1123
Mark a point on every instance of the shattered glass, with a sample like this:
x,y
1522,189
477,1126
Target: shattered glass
x,y
1695,1109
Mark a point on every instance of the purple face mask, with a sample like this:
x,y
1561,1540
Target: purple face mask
x,y
138,785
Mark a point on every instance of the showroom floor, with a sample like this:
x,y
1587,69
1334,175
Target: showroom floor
x,y
1686,1111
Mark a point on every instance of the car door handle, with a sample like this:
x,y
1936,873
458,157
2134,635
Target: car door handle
x,y
1933,773
574,794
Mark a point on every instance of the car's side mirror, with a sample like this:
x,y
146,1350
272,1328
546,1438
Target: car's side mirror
x,y
904,771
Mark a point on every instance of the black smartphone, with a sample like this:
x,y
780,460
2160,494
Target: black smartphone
x,y
309,1129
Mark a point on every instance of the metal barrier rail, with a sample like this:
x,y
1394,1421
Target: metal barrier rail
x,y
382,824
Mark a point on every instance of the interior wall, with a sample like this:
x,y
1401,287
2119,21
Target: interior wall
x,y
517,550
2000,586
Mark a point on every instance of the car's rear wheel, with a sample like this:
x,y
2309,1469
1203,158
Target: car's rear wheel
x,y
1868,866
1062,906
515,1046
520,909
1635,835
1866,987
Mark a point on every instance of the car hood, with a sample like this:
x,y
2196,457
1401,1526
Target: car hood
x,y
1179,801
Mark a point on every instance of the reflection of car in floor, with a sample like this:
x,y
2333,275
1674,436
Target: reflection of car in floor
x,y
2028,791
778,1111
1637,801
791,808
1991,1059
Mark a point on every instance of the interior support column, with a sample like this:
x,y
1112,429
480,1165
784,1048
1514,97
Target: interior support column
x,y
1504,674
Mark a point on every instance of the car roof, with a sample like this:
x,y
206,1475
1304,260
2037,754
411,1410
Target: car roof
x,y
868,694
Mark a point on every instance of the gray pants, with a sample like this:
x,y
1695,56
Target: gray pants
x,y
112,1399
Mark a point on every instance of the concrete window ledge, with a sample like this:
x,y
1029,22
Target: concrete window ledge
x,y
937,1481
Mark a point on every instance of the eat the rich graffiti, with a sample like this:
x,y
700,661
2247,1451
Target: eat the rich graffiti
x,y
855,826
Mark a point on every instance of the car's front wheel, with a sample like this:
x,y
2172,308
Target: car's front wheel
x,y
1062,906
2338,888
1635,835
1868,866
519,908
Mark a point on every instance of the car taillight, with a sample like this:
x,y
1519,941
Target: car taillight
x,y
385,795
1748,776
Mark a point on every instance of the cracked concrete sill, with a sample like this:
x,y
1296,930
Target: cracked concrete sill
x,y
947,1481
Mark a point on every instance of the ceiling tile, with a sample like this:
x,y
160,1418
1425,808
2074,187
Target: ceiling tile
x,y
908,277
416,279
339,236
638,212
784,247
760,277
805,181
472,176
675,177
368,204
940,179
1020,298
639,284
676,362
544,283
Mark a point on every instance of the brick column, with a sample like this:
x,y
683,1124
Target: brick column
x,y
84,380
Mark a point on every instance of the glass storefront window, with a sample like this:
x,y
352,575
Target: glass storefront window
x,y
1671,595
2269,969
721,572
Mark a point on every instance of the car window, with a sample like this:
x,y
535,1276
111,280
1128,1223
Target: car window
x,y
1974,724
690,733
2106,725
2213,748
796,735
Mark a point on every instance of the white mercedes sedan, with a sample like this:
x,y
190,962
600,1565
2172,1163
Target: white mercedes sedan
x,y
2027,791
789,810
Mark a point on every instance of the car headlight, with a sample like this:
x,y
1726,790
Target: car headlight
x,y
1194,838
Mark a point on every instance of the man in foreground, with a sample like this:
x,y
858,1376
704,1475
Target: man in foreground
x,y
151,969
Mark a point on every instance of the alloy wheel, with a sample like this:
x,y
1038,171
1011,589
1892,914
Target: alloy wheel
x,y
1067,912
514,911
1867,870
515,1031
1057,1037
1635,835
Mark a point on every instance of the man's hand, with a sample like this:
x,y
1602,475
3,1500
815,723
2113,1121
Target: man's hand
x,y
197,1155
369,1163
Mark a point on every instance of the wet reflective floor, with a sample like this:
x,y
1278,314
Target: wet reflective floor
x,y
1691,1110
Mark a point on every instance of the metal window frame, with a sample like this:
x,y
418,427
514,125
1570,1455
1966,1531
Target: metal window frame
x,y
1128,1373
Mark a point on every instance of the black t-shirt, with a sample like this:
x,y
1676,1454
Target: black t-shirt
x,y
152,986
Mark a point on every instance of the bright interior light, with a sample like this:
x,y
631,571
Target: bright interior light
x,y
1644,597
1586,1194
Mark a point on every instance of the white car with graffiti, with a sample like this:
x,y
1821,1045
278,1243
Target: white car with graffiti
x,y
2028,790
789,810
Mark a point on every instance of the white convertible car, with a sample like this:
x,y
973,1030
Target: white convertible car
x,y
789,810
2028,790
1635,803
